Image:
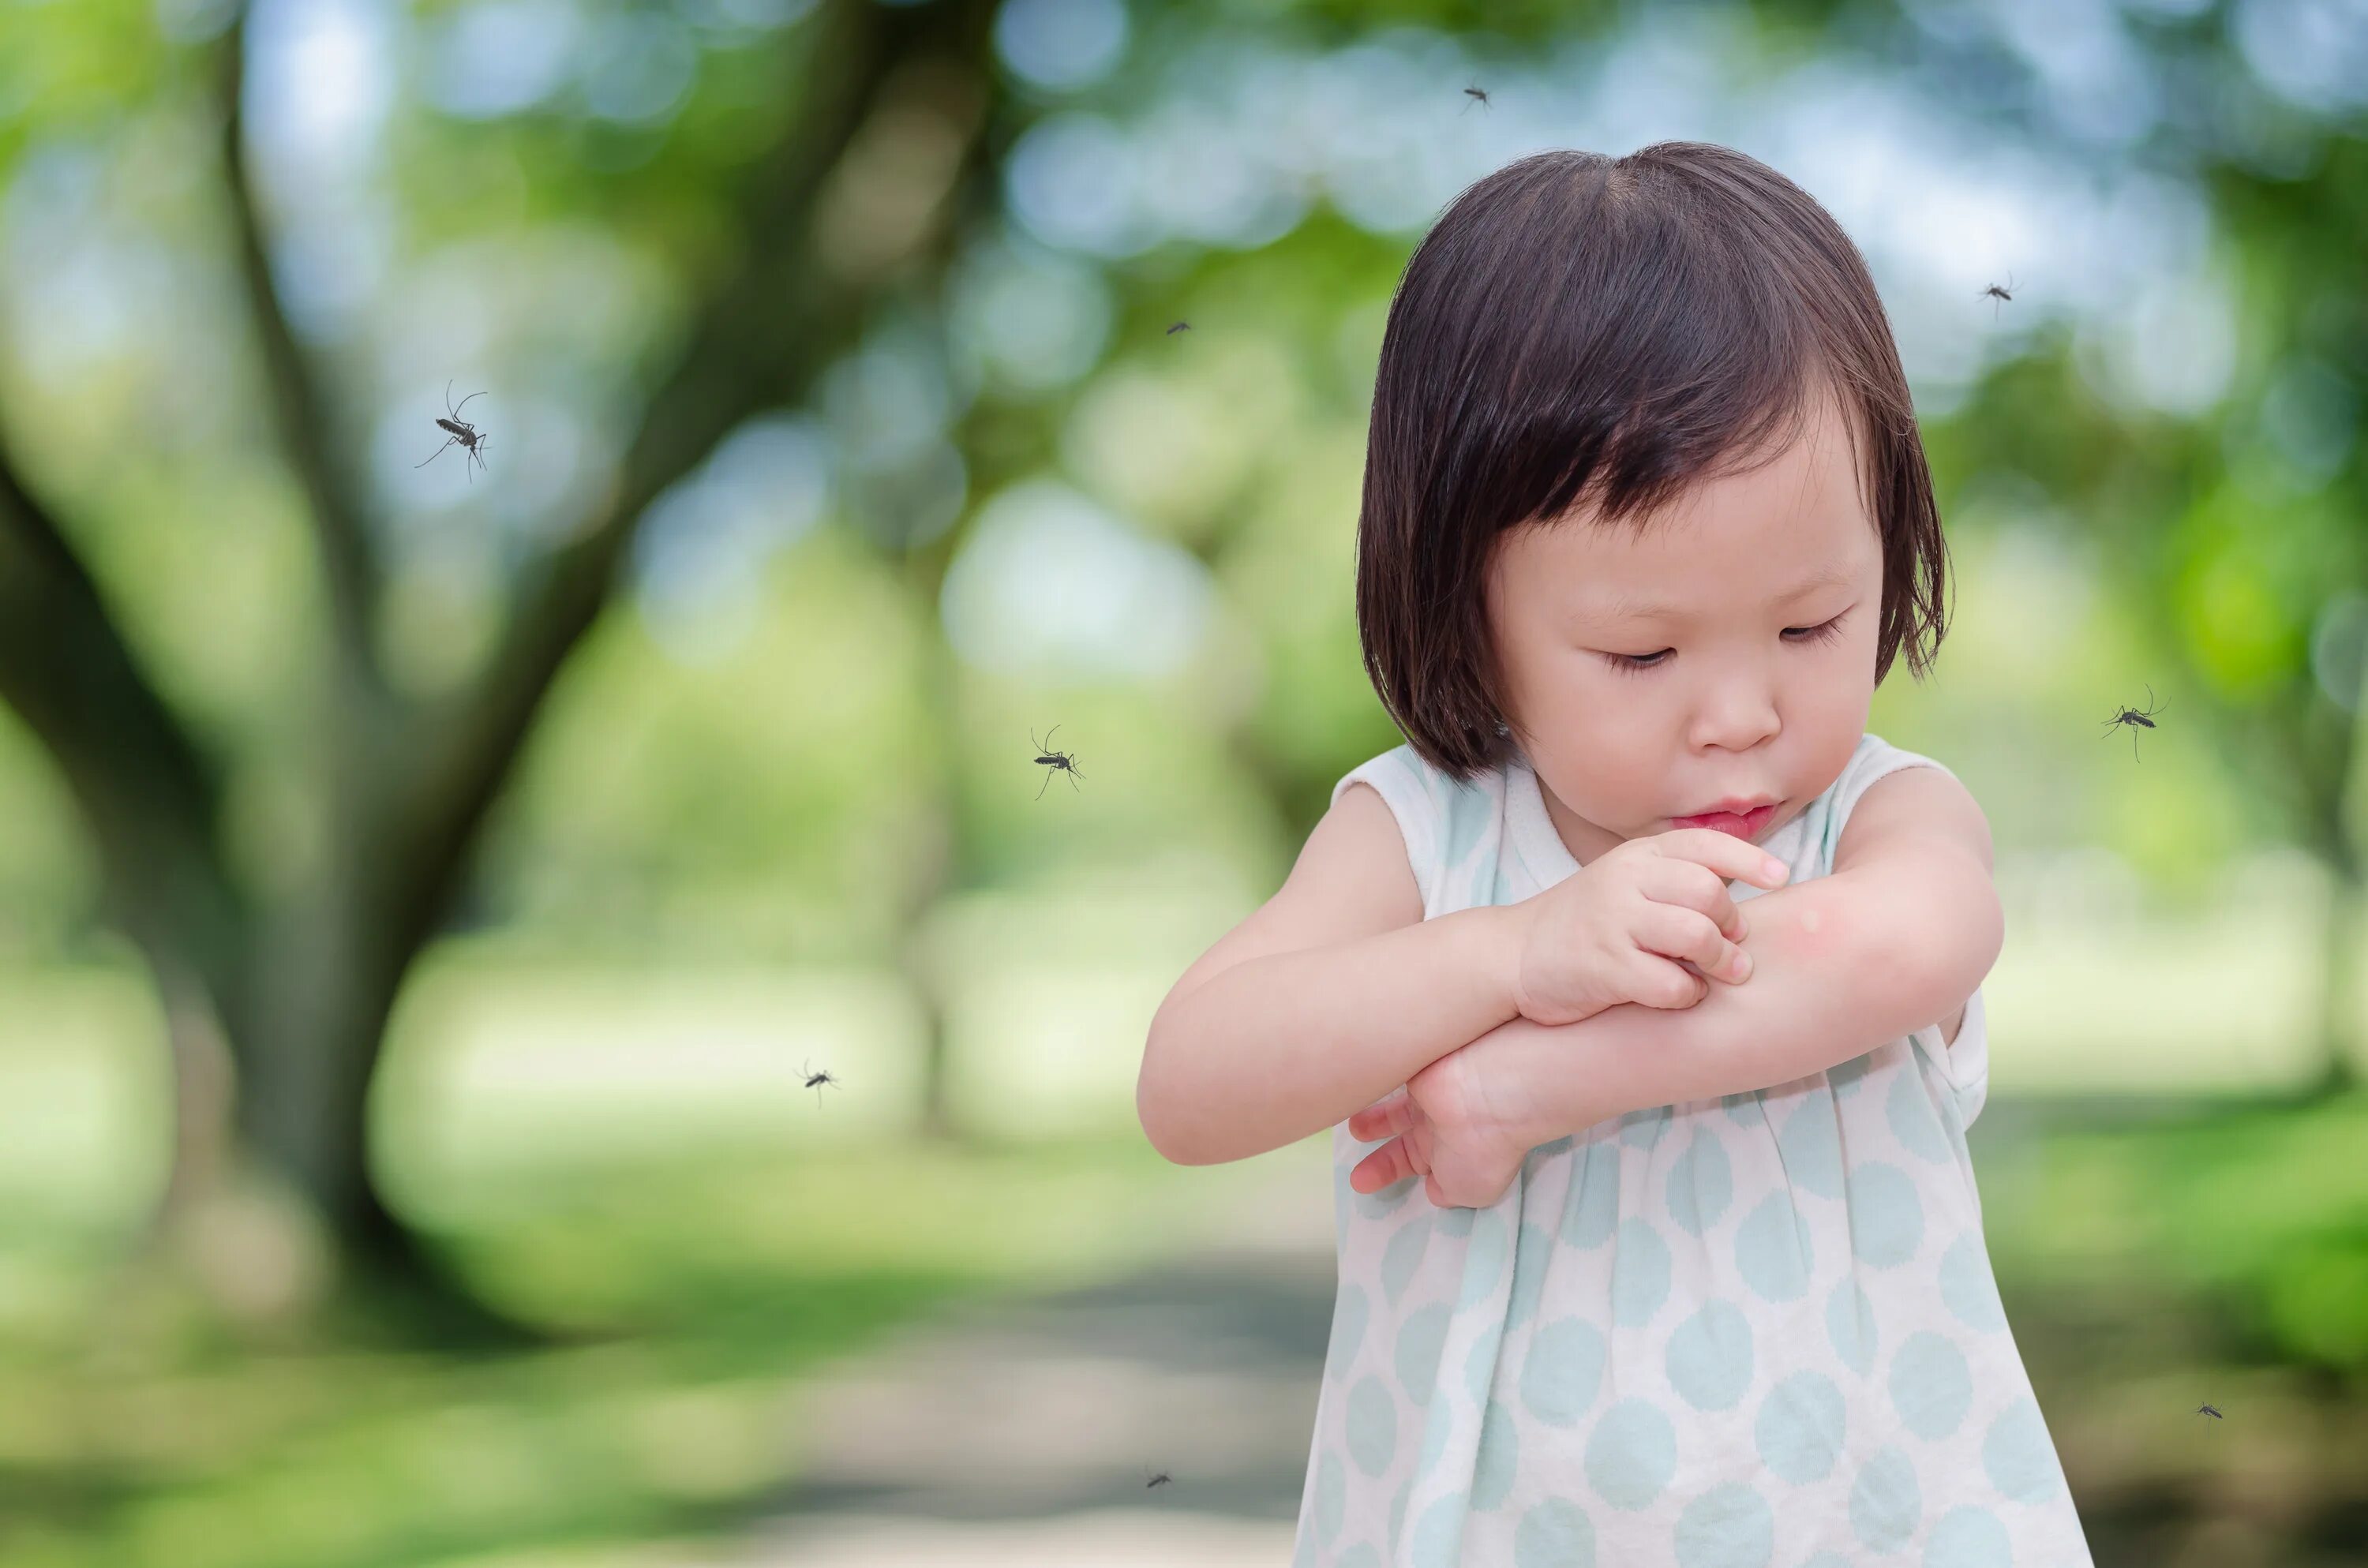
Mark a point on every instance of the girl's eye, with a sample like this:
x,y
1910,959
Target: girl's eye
x,y
1637,663
1627,663
1824,633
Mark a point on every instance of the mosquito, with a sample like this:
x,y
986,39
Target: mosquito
x,y
2210,1410
1179,326
2133,717
1159,1479
1994,291
814,1081
1476,93
462,432
1053,761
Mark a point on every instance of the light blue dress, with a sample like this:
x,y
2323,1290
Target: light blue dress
x,y
1756,1332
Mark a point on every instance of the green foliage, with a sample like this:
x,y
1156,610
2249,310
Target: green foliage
x,y
2256,1216
73,67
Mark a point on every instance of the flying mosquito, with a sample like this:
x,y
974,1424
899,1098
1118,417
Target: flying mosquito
x,y
467,435
1161,1479
1995,292
2213,1411
1478,95
1179,326
814,1081
2133,717
1054,762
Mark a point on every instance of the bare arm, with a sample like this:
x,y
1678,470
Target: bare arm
x,y
1280,1047
1845,963
1896,937
1285,1027
1841,964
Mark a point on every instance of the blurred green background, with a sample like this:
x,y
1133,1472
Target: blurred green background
x,y
425,891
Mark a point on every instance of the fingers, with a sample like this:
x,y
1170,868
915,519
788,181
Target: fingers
x,y
1659,983
1684,885
1388,1165
1688,934
1390,1115
1735,859
1680,903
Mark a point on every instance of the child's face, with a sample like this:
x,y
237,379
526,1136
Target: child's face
x,y
1731,706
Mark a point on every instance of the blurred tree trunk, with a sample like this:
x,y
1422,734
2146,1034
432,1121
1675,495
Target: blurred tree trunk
x,y
2316,742
2339,1006
299,990
946,856
202,1097
2331,786
943,865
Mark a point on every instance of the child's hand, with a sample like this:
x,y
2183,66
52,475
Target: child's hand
x,y
1644,922
1461,1128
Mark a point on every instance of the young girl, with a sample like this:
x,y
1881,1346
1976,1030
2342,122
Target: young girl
x,y
1667,1250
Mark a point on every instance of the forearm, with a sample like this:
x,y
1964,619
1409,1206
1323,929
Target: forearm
x,y
1279,1047
1841,964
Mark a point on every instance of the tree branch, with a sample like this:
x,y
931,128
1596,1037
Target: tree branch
x,y
299,406
150,797
761,340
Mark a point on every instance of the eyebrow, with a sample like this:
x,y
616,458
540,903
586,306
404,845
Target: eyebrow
x,y
1622,608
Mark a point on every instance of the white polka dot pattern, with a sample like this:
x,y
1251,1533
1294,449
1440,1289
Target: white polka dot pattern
x,y
1758,1331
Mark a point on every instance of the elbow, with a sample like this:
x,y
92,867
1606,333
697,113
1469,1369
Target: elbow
x,y
1944,953
1156,1131
1154,1102
1169,1139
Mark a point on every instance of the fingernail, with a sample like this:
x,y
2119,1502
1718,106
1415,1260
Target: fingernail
x,y
1742,966
1777,868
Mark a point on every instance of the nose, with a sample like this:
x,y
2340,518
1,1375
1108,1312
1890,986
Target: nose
x,y
1735,712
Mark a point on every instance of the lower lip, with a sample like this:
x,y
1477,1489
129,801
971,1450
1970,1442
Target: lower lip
x,y
1745,824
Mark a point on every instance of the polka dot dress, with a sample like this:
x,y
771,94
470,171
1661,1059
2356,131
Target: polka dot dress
x,y
1754,1331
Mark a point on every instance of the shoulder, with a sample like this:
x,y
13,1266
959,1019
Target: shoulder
x,y
1900,802
1438,817
1397,767
1401,776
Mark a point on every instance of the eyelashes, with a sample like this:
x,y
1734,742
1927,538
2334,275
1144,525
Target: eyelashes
x,y
1627,664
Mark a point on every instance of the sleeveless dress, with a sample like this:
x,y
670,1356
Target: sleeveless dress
x,y
1753,1332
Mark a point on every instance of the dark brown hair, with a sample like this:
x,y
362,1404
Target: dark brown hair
x,y
1577,326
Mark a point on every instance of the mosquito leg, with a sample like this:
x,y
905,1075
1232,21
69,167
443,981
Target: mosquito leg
x,y
432,455
1042,788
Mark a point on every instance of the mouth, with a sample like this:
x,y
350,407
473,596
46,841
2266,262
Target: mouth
x,y
1734,818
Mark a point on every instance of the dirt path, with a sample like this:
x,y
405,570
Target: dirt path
x,y
1026,1432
